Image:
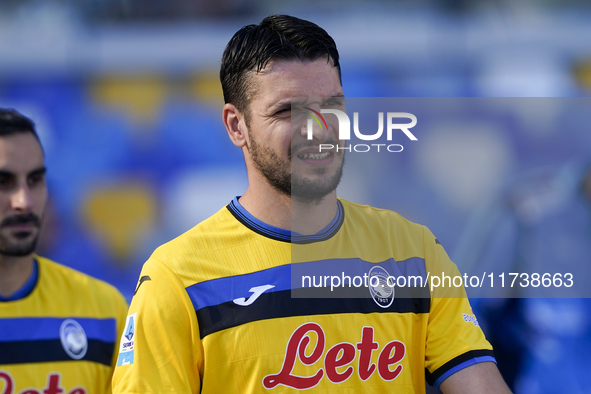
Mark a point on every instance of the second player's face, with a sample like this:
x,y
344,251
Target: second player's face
x,y
23,193
279,149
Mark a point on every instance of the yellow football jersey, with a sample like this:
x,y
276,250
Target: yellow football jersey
x,y
233,306
62,336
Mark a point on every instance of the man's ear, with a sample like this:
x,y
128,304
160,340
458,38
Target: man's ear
x,y
235,125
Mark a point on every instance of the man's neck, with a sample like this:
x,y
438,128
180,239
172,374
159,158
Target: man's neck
x,y
14,273
282,211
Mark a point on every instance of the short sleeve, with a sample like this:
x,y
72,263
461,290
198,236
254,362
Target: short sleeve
x,y
159,351
454,337
120,307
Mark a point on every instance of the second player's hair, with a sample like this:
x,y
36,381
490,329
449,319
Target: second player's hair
x,y
277,37
13,122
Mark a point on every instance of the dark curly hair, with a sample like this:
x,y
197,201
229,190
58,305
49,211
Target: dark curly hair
x,y
277,37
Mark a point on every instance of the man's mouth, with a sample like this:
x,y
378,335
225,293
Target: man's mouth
x,y
22,226
314,156
21,223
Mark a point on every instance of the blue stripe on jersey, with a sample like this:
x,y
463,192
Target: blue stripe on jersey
x,y
413,267
286,277
218,291
467,363
46,328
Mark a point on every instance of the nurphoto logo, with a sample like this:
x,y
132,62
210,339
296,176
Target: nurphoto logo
x,y
392,124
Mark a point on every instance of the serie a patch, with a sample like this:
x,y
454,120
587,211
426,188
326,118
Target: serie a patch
x,y
126,345
470,319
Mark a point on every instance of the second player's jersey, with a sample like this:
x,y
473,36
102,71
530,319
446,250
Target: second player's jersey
x,y
62,336
219,310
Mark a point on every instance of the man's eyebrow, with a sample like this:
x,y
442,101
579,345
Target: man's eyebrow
x,y
288,104
38,171
280,106
340,97
6,173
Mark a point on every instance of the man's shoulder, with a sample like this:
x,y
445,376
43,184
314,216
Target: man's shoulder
x,y
219,246
205,236
359,213
68,279
383,232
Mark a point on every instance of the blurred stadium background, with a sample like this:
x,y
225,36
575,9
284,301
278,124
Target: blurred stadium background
x,y
127,100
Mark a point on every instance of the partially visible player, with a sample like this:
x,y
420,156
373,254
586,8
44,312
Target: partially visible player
x,y
213,310
58,327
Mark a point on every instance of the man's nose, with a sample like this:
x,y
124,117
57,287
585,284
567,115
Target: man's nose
x,y
316,128
21,199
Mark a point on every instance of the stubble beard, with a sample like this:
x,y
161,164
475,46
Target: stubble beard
x,y
280,177
14,249
22,246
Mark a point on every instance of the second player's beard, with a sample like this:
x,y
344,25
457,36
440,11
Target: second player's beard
x,y
281,178
21,246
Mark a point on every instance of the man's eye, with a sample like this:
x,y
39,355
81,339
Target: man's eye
x,y
334,103
35,179
5,181
283,112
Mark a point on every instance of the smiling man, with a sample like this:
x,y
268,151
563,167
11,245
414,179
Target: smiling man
x,y
58,327
214,310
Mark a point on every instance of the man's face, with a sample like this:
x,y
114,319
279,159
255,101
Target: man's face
x,y
23,193
280,150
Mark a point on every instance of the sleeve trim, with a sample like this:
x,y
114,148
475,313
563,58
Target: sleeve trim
x,y
460,362
461,366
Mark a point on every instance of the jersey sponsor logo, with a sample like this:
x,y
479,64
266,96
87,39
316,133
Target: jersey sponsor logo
x,y
73,339
335,359
381,293
142,280
53,386
256,293
471,319
126,346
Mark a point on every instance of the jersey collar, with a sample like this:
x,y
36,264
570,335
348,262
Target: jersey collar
x,y
279,234
27,288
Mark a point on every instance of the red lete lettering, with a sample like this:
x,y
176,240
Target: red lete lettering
x,y
338,356
366,347
297,347
7,382
53,386
333,361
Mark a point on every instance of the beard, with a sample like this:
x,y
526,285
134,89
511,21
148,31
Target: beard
x,y
281,178
24,243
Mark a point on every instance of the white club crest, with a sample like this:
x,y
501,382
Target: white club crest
x,y
381,293
73,339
